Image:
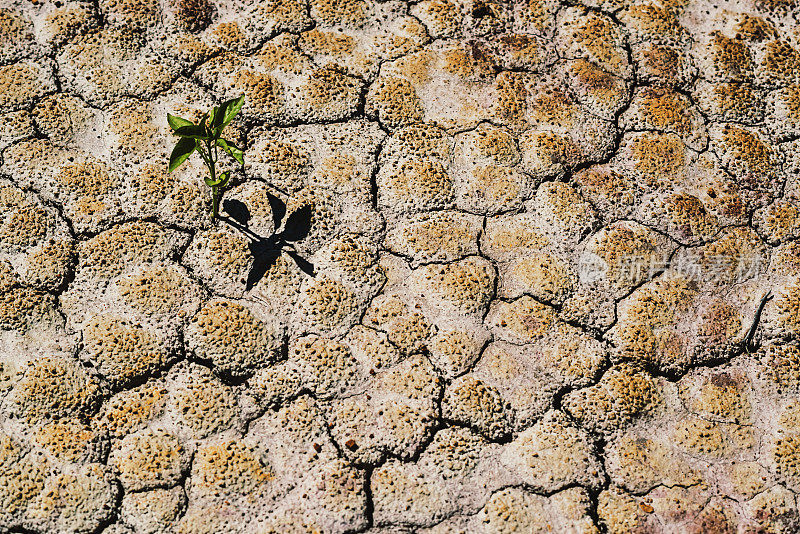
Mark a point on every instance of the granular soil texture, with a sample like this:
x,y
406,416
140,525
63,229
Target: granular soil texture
x,y
489,267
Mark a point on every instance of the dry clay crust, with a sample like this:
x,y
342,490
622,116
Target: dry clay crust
x,y
489,267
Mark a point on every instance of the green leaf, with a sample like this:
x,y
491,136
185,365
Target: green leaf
x,y
224,178
195,131
221,181
215,122
183,149
232,150
204,124
176,122
230,109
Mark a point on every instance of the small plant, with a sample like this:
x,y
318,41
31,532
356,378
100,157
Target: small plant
x,y
205,138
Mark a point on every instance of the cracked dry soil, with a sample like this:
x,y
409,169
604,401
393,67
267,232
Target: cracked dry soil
x,y
548,279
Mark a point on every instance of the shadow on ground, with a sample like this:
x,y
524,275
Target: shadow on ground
x,y
266,249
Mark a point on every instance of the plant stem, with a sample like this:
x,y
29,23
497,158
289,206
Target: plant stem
x,y
209,157
211,165
215,202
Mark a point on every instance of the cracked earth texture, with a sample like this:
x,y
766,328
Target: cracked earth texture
x,y
556,268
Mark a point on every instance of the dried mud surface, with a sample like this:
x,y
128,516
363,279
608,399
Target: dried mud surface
x,y
489,267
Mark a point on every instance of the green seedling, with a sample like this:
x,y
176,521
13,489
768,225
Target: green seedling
x,y
206,138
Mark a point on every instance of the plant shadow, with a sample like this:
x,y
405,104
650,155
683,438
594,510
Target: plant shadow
x,y
267,249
